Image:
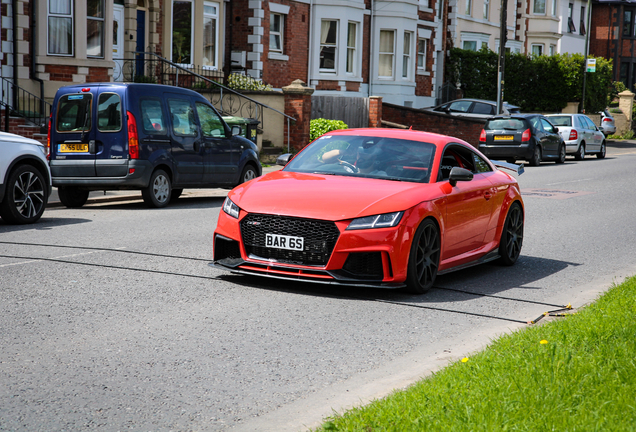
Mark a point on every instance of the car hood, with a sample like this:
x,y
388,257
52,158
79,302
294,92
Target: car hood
x,y
328,197
13,138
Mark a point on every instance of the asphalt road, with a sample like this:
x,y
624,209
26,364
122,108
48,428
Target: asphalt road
x,y
111,318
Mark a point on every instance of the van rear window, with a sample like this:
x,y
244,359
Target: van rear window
x,y
74,113
109,112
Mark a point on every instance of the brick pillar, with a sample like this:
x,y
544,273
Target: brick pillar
x,y
298,105
375,111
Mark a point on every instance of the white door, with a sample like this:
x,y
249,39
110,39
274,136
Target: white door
x,y
118,42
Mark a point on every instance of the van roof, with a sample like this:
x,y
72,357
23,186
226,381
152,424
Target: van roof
x,y
72,87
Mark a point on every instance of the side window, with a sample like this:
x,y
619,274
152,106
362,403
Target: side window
x,y
460,106
109,112
590,123
481,166
74,113
182,116
153,119
211,123
547,126
482,108
534,121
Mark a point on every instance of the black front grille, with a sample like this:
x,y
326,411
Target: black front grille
x,y
320,238
365,264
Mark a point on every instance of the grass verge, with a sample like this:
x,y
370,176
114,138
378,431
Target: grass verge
x,y
577,373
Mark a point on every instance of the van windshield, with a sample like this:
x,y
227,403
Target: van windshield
x,y
74,113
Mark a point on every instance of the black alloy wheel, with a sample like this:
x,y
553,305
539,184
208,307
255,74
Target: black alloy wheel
x,y
72,197
536,156
157,193
25,197
511,236
580,153
601,153
424,258
561,158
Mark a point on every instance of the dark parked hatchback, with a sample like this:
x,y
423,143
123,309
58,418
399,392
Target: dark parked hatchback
x,y
528,137
154,138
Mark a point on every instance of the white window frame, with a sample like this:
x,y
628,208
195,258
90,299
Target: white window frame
x,y
539,46
534,7
552,49
554,7
469,7
214,17
390,54
479,38
70,16
103,21
284,11
191,32
421,54
486,9
407,55
333,70
280,33
351,61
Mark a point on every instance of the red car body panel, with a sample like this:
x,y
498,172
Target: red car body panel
x,y
470,215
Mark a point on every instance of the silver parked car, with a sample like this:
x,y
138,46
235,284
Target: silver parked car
x,y
580,134
608,125
475,108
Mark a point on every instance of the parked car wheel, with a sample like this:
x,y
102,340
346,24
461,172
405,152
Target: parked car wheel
x,y
561,158
580,154
26,196
536,157
248,174
511,236
72,197
601,154
424,258
157,194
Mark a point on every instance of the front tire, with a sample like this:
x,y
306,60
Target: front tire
x,y
157,193
72,197
580,153
26,196
423,258
601,153
536,157
511,236
249,173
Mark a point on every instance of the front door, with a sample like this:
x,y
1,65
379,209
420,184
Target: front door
x,y
219,165
118,42
187,150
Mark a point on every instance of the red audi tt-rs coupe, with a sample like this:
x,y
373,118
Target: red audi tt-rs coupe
x,y
383,208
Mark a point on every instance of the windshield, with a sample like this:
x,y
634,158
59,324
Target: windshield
x,y
365,156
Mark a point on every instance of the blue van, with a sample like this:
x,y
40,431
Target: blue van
x,y
154,138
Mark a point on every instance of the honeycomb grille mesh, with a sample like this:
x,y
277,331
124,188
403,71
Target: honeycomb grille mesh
x,y
320,238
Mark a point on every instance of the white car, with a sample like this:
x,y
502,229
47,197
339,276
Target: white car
x,y
608,125
580,134
25,179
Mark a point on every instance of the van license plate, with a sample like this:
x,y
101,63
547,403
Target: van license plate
x,y
504,138
73,148
284,242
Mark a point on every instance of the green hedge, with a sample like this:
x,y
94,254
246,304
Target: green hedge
x,y
321,126
535,83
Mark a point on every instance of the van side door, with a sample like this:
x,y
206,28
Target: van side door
x,y
185,139
218,160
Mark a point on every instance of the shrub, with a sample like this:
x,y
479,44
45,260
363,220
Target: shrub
x,y
318,127
244,82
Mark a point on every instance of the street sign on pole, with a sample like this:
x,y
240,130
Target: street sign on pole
x,y
591,65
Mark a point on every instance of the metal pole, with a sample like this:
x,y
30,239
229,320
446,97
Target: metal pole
x,y
587,39
502,54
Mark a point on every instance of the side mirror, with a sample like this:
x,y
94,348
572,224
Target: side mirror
x,y
236,130
556,129
284,159
459,174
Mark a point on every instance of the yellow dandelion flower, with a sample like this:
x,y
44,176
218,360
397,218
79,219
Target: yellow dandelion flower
x,y
465,359
543,342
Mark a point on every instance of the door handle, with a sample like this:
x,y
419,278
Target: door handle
x,y
487,195
92,148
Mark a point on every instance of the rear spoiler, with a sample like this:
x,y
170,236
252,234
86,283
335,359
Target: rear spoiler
x,y
509,166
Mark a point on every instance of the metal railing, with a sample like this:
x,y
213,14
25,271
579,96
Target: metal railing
x,y
18,102
149,67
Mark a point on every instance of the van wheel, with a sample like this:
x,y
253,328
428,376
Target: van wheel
x,y
72,197
25,197
157,193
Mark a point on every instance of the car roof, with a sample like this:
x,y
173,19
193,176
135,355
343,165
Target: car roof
x,y
480,100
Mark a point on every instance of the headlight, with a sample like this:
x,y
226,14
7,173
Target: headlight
x,y
230,208
386,220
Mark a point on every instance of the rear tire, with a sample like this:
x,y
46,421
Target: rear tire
x,y
157,193
511,236
580,153
536,157
72,197
561,158
601,154
423,258
25,197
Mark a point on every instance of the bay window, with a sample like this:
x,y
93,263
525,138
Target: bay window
x,y
387,53
406,55
328,45
351,47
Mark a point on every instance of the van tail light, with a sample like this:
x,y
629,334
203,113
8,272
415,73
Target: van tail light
x,y
573,135
48,139
133,138
482,136
525,136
